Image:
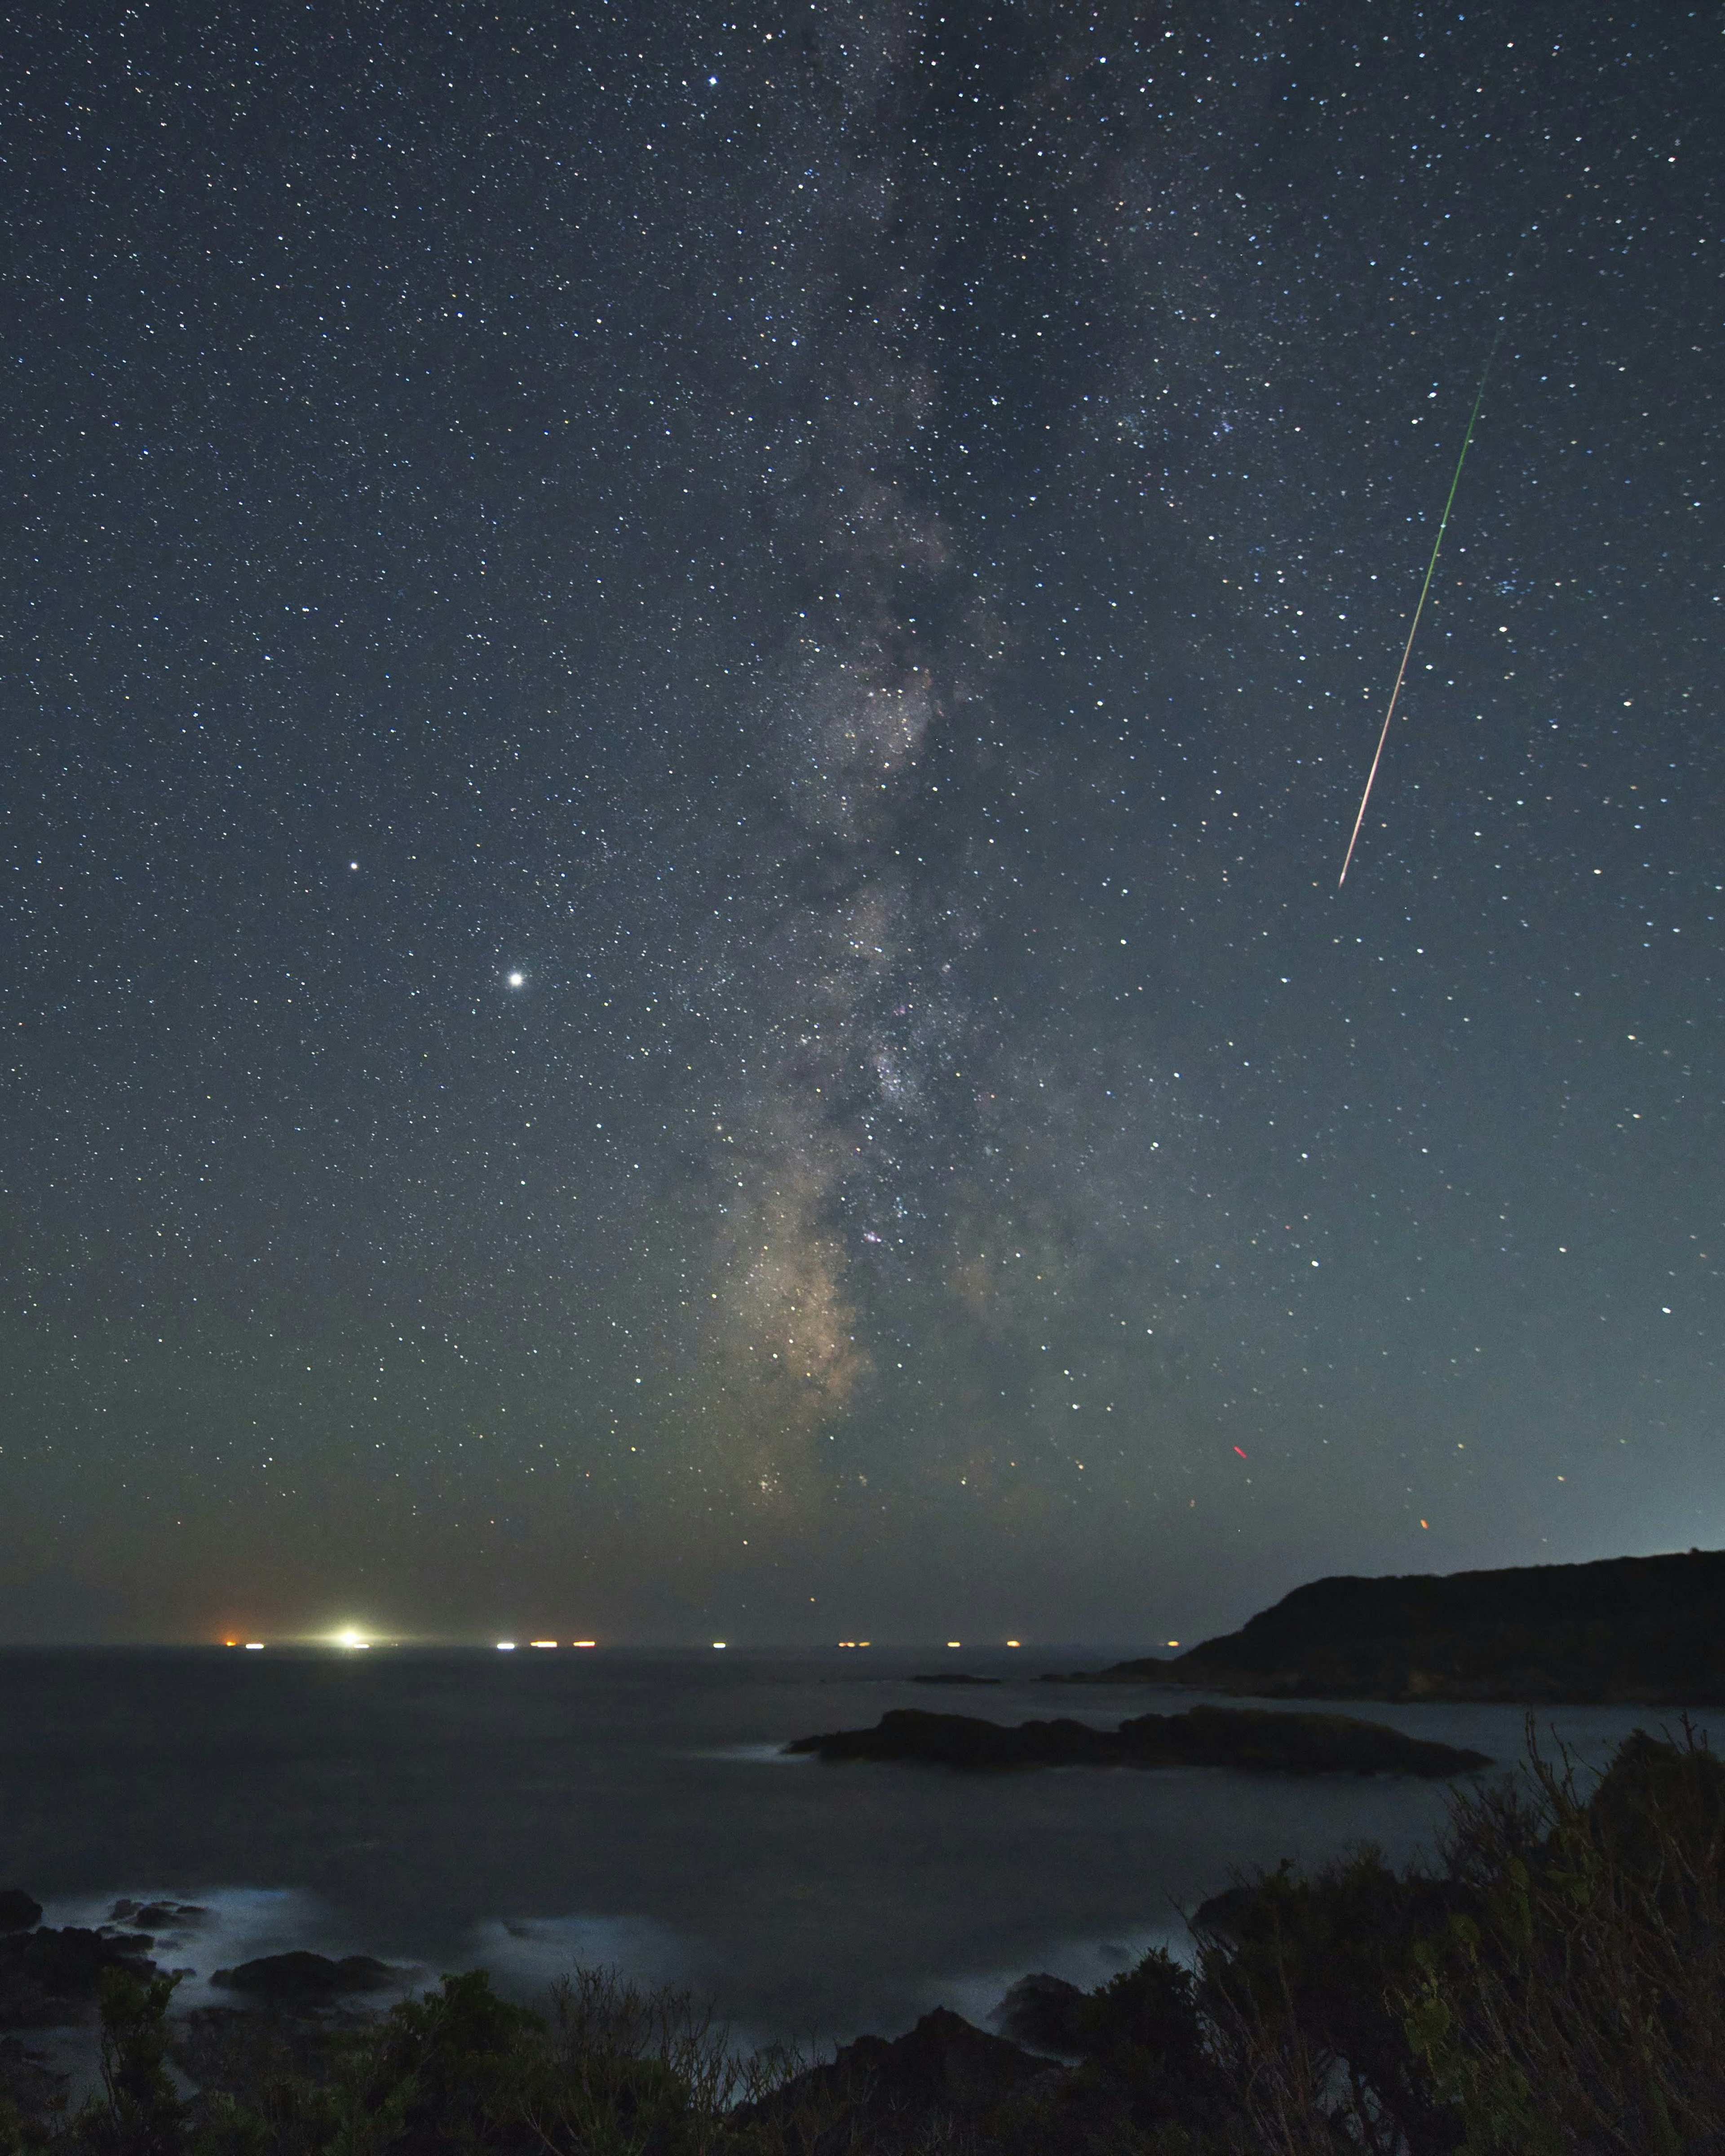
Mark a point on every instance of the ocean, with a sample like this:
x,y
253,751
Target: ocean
x,y
527,1811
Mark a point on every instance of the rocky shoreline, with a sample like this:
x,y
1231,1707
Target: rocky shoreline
x,y
1419,1987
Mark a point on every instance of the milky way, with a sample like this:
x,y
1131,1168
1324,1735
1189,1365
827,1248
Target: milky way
x,y
683,690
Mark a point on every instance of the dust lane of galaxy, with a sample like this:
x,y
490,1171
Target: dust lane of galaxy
x,y
682,692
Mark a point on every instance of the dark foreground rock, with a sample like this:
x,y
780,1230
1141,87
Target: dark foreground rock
x,y
1044,2013
955,1679
28,2082
1632,1631
48,1976
19,1911
1253,1738
944,2072
299,1980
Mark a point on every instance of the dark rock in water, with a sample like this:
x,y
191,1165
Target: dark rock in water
x,y
1043,2013
945,2069
18,1911
1631,1630
302,1980
955,1679
1249,1738
163,1916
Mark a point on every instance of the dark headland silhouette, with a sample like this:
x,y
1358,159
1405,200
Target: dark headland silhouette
x,y
1629,1630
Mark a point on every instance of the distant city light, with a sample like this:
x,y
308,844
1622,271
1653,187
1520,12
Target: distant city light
x,y
955,1643
542,1643
254,1646
1173,1643
355,1641
1012,1643
505,1646
718,1643
583,1642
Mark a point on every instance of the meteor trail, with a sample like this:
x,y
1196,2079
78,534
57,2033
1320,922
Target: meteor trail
x,y
1420,608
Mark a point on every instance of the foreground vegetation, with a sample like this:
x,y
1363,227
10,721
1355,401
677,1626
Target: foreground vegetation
x,y
1555,1983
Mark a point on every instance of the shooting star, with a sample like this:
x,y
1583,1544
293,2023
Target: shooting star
x,y
1420,607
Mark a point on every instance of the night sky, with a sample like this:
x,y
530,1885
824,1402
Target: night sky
x,y
683,692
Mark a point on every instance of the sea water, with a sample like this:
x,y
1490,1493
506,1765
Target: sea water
x,y
526,1812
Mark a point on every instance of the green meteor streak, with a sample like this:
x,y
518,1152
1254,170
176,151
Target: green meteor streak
x,y
1414,630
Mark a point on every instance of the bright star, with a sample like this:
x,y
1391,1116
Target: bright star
x,y
517,980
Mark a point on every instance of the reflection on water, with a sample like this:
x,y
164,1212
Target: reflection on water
x,y
441,1811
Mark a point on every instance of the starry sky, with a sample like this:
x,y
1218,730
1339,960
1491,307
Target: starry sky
x,y
683,693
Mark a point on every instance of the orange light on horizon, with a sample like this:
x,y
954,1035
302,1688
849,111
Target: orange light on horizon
x,y
955,1643
1012,1643
542,1643
583,1642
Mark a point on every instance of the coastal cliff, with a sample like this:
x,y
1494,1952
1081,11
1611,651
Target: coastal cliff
x,y
1632,1631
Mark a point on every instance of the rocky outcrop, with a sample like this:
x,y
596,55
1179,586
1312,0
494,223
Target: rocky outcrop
x,y
19,1911
1044,2013
946,2073
157,1916
301,1979
49,1976
1631,1630
1252,1738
